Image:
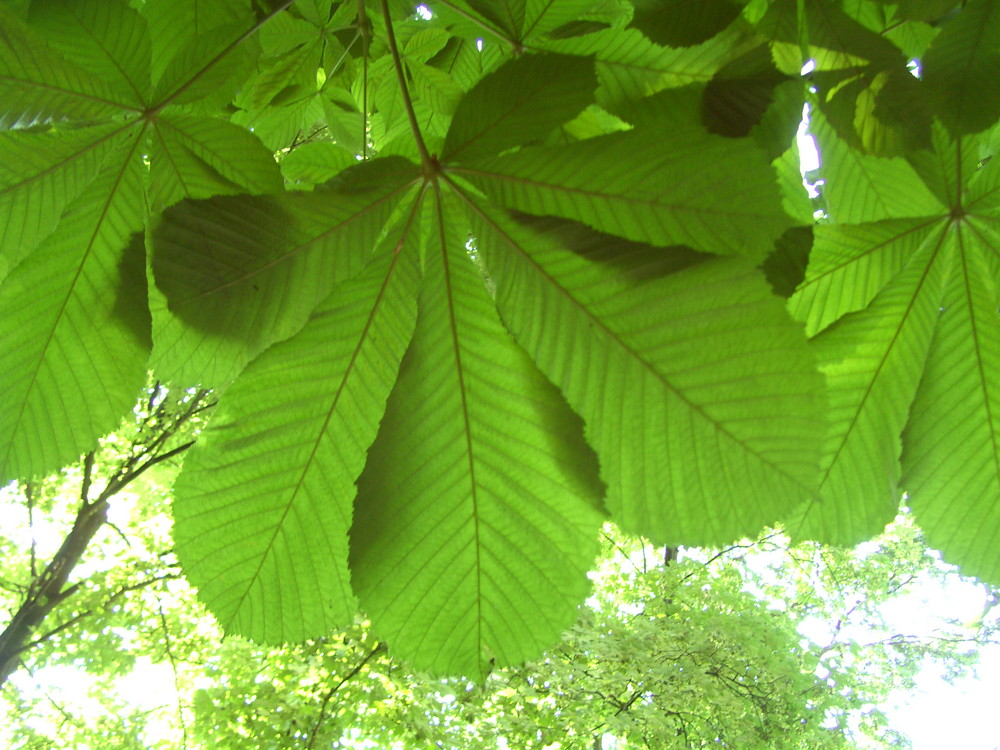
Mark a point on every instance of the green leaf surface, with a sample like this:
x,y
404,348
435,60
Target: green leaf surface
x,y
40,173
696,420
675,188
284,450
962,69
105,37
177,21
313,163
860,188
872,361
519,103
850,264
951,446
241,272
682,23
209,65
77,328
740,93
198,157
37,85
630,67
476,515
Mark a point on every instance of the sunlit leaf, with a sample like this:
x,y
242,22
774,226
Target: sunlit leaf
x,y
692,415
283,452
476,515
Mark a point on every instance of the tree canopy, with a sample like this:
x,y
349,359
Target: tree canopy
x,y
471,278
673,649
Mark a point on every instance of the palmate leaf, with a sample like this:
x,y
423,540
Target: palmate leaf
x,y
73,195
77,328
282,455
477,510
910,367
699,395
398,327
674,188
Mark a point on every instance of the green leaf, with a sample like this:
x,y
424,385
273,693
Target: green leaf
x,y
175,22
541,16
209,65
962,69
860,188
740,93
283,451
40,173
313,163
682,23
785,268
37,85
630,67
666,188
76,328
197,157
951,446
519,103
872,360
241,272
105,37
850,264
476,514
506,14
698,392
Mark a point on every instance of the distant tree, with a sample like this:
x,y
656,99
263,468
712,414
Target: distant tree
x,y
662,656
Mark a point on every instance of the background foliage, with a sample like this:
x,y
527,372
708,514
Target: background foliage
x,y
670,651
471,280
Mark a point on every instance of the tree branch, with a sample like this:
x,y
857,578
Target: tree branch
x,y
379,647
49,589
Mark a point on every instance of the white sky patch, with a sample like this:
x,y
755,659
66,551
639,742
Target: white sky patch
x,y
424,13
479,45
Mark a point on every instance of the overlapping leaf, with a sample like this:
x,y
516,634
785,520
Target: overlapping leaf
x,y
674,188
265,502
75,189
242,272
476,515
76,339
907,314
699,395
469,374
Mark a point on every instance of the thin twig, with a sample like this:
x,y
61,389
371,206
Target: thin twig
x,y
326,699
173,666
29,495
